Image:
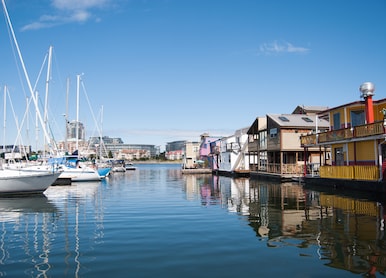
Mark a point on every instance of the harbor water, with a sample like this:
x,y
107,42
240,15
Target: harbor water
x,y
157,222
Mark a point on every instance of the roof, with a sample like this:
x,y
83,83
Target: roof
x,y
298,120
260,123
307,109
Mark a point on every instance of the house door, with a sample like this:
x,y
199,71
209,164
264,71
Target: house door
x,y
339,157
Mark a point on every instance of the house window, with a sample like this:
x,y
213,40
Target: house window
x,y
357,118
273,132
336,121
263,139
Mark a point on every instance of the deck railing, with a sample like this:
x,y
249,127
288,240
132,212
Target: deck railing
x,y
372,129
352,172
284,169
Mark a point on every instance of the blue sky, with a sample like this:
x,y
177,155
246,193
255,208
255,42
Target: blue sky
x,y
167,70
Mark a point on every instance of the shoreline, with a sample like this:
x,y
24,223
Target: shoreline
x,y
156,162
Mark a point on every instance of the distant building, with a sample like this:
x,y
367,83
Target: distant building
x,y
105,139
120,150
192,155
72,131
175,150
230,154
205,150
174,155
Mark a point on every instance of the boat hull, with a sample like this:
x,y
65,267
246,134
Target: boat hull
x,y
104,172
347,185
20,182
80,174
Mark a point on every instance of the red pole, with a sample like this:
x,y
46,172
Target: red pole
x,y
369,110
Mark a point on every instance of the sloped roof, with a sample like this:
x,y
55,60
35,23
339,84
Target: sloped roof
x,y
298,120
260,123
308,109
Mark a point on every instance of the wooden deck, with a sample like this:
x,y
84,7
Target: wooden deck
x,y
197,171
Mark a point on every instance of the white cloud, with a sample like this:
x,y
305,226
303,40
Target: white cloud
x,y
78,4
69,11
280,47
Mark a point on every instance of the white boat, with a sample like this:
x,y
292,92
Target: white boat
x,y
118,169
79,174
130,166
26,181
72,169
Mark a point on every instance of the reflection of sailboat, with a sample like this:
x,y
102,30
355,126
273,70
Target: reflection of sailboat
x,y
31,217
72,198
80,190
12,207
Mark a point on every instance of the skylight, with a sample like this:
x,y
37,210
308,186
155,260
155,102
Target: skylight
x,y
308,120
284,119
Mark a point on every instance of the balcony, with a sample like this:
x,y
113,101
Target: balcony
x,y
332,136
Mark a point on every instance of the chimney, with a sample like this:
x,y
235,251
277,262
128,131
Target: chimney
x,y
367,89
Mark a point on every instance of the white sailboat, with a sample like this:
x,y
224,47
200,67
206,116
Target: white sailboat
x,y
25,180
71,167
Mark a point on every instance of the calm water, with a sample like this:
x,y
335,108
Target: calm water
x,y
155,222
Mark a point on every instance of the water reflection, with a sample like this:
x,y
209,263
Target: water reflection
x,y
79,225
37,228
25,225
345,232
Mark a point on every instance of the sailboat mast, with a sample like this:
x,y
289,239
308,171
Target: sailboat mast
x,y
77,112
66,116
26,75
101,143
5,117
47,83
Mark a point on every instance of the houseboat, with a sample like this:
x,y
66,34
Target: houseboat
x,y
274,144
229,154
353,150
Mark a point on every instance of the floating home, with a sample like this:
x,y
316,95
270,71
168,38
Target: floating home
x,y
274,149
229,155
353,150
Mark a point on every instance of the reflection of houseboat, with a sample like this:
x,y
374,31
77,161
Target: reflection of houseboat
x,y
355,144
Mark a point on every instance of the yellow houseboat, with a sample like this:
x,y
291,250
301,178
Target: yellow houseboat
x,y
353,151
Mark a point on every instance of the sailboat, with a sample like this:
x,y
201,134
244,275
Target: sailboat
x,y
25,181
71,166
22,180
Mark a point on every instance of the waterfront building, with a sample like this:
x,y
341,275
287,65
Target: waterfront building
x,y
175,155
274,145
136,151
175,150
205,150
120,150
191,155
356,137
230,153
